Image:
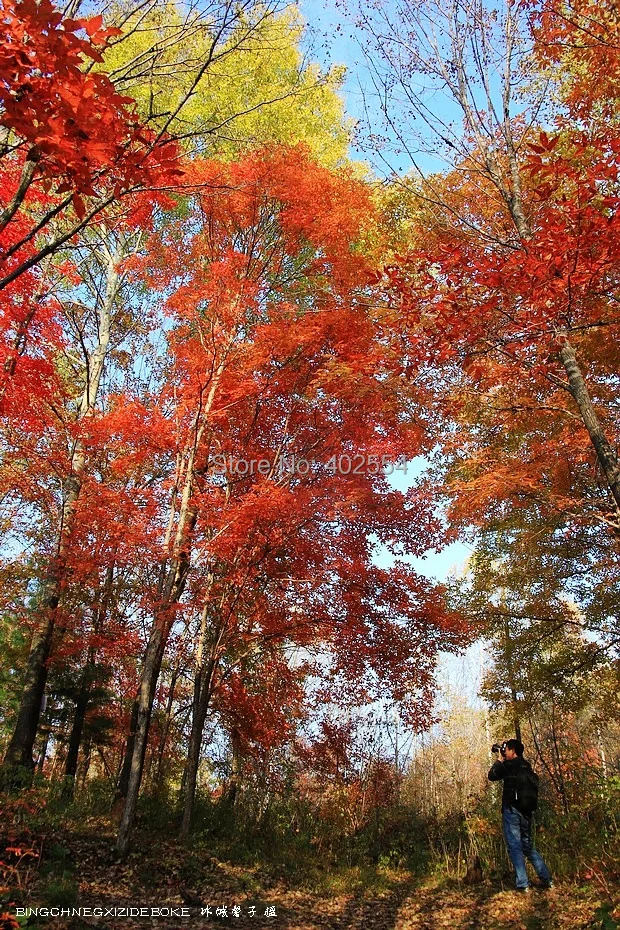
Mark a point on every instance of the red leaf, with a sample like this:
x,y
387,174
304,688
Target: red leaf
x,y
93,24
78,206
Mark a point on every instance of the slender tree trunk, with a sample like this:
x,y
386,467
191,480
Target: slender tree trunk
x,y
199,717
172,585
236,771
549,768
146,695
43,753
18,763
203,679
203,690
172,590
602,753
75,738
123,778
82,702
166,728
432,782
131,775
85,763
607,458
511,678
28,170
57,763
556,747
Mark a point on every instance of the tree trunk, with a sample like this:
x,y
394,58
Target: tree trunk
x,y
203,679
556,750
18,766
123,778
606,456
171,587
203,689
28,171
88,674
166,728
172,590
85,763
236,771
511,679
193,759
146,695
602,753
43,753
68,788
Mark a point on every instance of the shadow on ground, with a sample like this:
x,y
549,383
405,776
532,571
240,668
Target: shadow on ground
x,y
168,876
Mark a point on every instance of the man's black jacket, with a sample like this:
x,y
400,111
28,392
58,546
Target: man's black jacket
x,y
511,771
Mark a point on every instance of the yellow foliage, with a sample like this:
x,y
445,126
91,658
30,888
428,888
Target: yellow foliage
x,y
256,88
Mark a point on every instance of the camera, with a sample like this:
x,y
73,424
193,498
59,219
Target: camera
x,y
496,747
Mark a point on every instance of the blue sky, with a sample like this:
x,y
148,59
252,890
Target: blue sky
x,y
332,39
423,109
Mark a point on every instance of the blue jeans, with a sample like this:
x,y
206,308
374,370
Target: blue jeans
x,y
518,836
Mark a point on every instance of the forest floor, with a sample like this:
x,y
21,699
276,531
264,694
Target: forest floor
x,y
78,869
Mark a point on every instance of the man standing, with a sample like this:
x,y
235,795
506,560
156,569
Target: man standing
x,y
519,800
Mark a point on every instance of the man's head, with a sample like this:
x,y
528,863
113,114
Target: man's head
x,y
513,748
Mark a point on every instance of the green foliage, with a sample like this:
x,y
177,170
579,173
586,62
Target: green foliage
x,y
456,837
279,839
59,855
158,812
393,837
95,798
585,842
59,887
12,648
604,915
61,891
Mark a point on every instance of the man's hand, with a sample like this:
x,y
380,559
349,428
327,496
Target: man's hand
x,y
494,773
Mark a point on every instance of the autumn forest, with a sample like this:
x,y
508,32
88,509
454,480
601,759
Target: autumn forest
x,y
264,361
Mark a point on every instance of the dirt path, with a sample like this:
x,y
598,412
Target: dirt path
x,y
191,889
432,906
409,906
